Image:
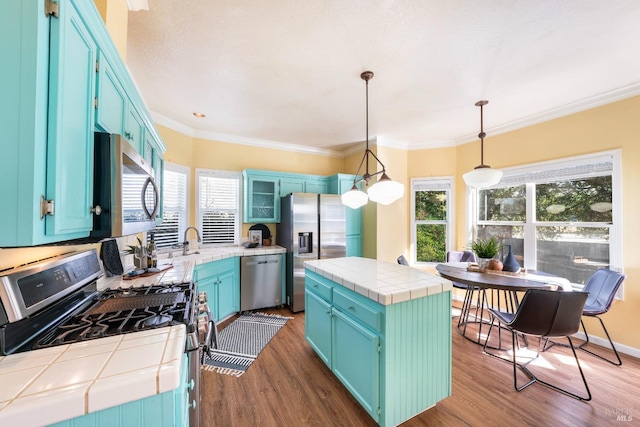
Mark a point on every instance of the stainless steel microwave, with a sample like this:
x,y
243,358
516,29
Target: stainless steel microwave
x,y
125,194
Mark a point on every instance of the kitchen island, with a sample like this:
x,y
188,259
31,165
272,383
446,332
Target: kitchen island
x,y
117,377
384,330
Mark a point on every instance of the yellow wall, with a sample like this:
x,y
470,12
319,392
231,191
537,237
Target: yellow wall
x,y
115,14
199,153
393,220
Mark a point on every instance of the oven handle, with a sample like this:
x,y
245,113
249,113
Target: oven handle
x,y
211,339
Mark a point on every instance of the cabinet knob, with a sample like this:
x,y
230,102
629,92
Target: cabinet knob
x,y
351,307
191,385
315,286
192,405
97,210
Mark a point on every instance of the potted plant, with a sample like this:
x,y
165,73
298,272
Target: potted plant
x,y
485,249
139,253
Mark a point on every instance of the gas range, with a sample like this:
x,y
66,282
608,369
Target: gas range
x,y
126,310
56,302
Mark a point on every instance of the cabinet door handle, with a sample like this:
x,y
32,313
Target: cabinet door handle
x,y
351,307
315,286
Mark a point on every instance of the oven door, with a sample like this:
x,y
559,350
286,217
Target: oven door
x,y
202,339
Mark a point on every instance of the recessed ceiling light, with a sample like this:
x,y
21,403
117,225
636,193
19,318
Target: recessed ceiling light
x,y
199,115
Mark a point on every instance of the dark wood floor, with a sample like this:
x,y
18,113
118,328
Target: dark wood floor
x,y
288,385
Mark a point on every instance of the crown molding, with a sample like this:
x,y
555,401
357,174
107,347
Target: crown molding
x,y
241,140
555,113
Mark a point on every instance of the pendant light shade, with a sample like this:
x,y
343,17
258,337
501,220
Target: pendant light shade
x,y
354,198
385,191
482,176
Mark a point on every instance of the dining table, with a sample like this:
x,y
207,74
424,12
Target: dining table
x,y
493,289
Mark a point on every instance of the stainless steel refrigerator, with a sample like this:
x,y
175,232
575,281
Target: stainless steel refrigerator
x,y
312,226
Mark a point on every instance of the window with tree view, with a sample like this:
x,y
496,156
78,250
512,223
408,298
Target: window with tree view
x,y
558,219
431,230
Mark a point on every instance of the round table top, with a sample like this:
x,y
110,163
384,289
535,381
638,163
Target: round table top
x,y
460,274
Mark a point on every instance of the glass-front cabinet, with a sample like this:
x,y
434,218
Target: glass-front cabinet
x,y
262,199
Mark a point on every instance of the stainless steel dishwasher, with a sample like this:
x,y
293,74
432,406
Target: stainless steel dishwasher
x,y
260,281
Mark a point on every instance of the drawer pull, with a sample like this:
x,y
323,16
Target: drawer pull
x,y
351,307
315,286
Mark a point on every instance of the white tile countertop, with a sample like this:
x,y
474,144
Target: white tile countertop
x,y
42,387
384,282
46,386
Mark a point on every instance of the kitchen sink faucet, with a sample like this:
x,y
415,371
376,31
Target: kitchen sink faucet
x,y
185,243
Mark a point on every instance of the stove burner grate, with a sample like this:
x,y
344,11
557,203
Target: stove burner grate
x,y
137,301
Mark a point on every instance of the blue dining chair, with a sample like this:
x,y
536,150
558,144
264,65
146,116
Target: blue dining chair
x,y
602,287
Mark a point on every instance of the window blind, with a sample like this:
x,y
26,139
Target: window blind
x,y
174,218
557,171
219,206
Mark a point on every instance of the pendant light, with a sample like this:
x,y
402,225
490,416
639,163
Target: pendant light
x,y
384,191
482,176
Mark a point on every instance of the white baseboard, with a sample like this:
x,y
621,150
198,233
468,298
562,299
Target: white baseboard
x,y
602,342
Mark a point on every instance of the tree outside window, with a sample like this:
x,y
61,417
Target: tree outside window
x,y
431,219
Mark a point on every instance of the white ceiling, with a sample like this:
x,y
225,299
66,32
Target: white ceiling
x,y
286,73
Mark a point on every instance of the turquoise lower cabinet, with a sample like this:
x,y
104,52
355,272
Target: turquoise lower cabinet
x,y
317,319
394,359
356,360
169,409
221,281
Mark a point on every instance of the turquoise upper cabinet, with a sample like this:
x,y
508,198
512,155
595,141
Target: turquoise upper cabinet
x,y
316,185
111,101
263,190
302,184
261,198
291,185
72,80
134,129
55,94
47,83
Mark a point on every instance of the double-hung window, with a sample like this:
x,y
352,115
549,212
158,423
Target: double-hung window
x,y
175,183
431,208
561,217
218,207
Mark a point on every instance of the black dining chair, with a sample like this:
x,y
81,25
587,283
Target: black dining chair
x,y
602,287
543,314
